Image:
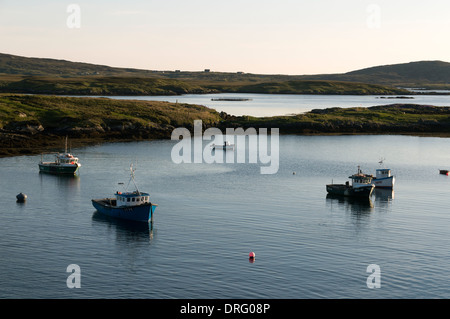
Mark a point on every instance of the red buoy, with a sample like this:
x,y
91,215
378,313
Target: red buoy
x,y
251,255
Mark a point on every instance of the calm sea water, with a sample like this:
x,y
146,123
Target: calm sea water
x,y
286,104
210,216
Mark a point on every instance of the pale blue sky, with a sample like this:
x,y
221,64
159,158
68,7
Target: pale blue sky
x,y
264,36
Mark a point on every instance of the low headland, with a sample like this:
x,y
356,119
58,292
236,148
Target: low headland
x,y
32,124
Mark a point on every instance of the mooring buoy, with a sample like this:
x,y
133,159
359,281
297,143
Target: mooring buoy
x,y
21,197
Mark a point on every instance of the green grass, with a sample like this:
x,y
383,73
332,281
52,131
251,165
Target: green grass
x,y
430,74
55,112
395,118
134,86
101,86
32,123
311,87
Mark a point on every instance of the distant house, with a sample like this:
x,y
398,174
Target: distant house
x,y
207,70
177,71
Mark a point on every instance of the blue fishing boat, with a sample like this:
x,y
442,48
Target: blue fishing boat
x,y
133,205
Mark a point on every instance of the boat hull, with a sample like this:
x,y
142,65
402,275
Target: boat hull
x,y
225,148
140,213
58,169
346,190
387,182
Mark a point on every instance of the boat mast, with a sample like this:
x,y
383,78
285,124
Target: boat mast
x,y
132,178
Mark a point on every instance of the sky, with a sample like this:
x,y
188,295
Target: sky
x,y
294,37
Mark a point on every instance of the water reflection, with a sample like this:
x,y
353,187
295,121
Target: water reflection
x,y
352,204
126,230
383,195
61,181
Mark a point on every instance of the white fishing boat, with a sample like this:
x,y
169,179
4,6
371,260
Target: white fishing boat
x,y
383,178
64,163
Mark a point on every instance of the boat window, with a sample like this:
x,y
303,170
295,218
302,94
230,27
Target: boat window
x,y
133,199
128,199
137,199
143,198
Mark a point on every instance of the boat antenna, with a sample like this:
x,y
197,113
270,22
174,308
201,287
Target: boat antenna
x,y
66,145
132,178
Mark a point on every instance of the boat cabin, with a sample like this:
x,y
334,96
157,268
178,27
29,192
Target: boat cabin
x,y
360,179
66,159
132,198
383,173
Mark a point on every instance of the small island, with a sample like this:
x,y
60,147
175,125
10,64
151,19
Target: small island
x,y
31,124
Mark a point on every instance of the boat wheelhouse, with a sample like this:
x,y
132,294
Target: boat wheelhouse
x,y
361,186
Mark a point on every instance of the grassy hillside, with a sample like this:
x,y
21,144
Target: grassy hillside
x,y
428,74
310,87
13,64
57,113
101,86
160,86
30,123
18,74
384,119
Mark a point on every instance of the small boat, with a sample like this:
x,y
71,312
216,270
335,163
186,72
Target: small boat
x,y
135,205
383,178
231,99
64,163
226,146
361,186
443,172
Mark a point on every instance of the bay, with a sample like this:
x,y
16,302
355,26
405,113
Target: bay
x,y
210,216
261,105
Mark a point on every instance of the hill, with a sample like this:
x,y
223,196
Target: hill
x,y
53,75
25,66
32,123
427,74
49,76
